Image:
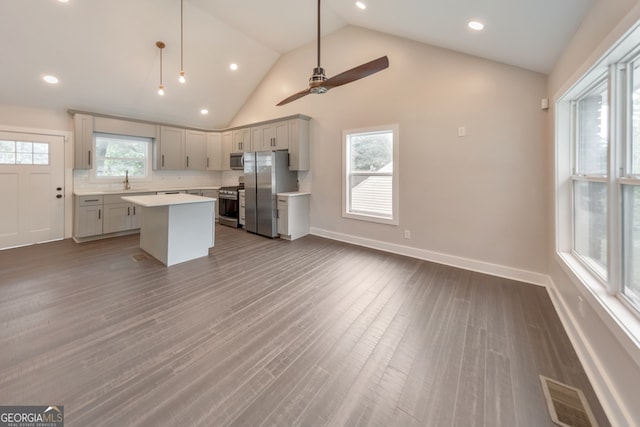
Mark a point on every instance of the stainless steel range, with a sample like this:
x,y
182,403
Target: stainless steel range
x,y
228,206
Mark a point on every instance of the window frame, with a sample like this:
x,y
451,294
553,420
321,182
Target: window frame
x,y
95,178
346,175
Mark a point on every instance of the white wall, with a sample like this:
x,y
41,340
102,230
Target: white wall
x,y
610,360
478,201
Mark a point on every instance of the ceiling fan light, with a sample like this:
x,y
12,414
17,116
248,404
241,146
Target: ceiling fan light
x,y
161,90
361,5
50,79
181,79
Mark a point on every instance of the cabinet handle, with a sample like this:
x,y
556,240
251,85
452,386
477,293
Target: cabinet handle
x,y
187,161
207,162
128,211
91,200
277,213
163,160
134,210
242,145
89,157
99,213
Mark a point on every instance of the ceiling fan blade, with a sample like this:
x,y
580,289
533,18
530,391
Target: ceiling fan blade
x,y
295,96
357,73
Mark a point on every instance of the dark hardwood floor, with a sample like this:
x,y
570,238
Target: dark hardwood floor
x,y
274,333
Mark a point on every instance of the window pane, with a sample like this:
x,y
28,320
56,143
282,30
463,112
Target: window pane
x,y
371,152
7,147
635,146
118,155
590,223
371,195
631,236
592,133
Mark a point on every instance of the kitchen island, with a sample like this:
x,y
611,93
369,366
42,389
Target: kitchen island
x,y
176,227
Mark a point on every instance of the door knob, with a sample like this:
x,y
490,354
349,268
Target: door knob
x,y
59,189
59,196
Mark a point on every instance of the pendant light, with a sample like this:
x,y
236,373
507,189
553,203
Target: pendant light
x,y
181,79
161,46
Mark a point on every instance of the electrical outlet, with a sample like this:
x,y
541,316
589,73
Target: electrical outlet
x,y
462,131
407,234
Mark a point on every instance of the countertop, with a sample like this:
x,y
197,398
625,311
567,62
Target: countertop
x,y
295,193
150,201
141,190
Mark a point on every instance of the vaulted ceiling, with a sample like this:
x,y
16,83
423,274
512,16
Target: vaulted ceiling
x,y
105,56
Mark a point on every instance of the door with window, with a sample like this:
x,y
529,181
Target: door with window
x,y
31,188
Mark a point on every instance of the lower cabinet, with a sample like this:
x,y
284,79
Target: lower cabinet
x,y
88,216
120,216
214,195
293,215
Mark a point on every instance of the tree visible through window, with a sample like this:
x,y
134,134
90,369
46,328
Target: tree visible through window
x,y
117,155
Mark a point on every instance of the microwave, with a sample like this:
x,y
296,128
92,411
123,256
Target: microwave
x,y
236,161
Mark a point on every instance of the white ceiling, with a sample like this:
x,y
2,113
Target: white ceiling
x,y
105,56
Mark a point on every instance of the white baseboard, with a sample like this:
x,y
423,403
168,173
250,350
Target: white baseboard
x,y
451,260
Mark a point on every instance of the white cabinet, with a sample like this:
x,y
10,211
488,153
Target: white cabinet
x,y
241,140
120,215
88,216
241,210
269,137
293,215
83,141
227,149
298,144
169,148
214,151
195,150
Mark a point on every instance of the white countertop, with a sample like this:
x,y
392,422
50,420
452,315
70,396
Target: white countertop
x,y
295,193
141,190
165,199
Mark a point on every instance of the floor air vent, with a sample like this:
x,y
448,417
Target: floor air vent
x,y
567,405
139,257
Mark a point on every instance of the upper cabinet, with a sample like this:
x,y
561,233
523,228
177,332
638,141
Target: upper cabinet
x,y
83,141
214,151
227,149
169,149
196,150
298,144
241,140
269,137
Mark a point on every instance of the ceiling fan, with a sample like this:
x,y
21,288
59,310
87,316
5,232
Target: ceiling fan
x,y
319,83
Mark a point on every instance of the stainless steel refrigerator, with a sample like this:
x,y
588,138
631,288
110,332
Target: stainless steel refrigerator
x,y
266,173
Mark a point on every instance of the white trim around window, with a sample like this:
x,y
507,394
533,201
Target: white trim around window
x,y
370,181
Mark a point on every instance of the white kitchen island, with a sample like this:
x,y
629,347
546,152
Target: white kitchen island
x,y
176,227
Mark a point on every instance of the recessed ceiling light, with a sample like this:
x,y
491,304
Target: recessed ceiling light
x,y
476,25
204,111
51,79
63,1
233,66
361,5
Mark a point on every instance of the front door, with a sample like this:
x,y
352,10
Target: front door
x,y
31,188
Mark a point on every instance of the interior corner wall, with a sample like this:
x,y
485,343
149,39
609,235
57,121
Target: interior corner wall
x,y
479,199
613,371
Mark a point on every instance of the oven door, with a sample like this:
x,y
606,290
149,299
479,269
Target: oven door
x,y
228,210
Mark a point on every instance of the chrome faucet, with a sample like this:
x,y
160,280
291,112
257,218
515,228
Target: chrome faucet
x,y
127,186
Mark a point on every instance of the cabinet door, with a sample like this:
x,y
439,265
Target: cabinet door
x,y
280,136
117,217
227,149
89,221
283,216
298,145
170,149
214,151
242,140
136,216
83,141
195,150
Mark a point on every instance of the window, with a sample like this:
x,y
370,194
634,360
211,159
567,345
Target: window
x,y
598,148
118,154
370,187
24,153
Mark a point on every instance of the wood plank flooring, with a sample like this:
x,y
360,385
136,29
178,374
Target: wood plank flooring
x,y
274,333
